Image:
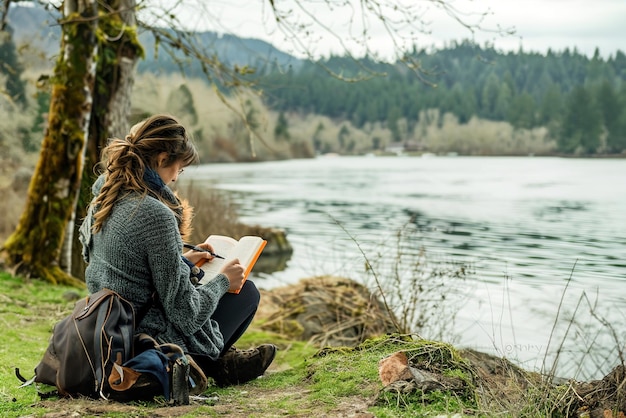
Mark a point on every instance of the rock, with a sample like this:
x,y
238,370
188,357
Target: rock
x,y
277,243
394,368
396,371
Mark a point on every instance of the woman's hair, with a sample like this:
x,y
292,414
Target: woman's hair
x,y
124,162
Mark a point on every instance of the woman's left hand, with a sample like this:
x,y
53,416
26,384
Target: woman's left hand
x,y
196,256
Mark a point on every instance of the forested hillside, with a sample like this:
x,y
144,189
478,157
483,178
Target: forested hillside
x,y
581,100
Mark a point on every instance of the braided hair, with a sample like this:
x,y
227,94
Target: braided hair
x,y
124,163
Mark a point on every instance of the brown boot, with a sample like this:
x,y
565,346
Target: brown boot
x,y
240,366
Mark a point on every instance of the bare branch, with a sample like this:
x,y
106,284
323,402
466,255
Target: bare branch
x,y
4,14
404,23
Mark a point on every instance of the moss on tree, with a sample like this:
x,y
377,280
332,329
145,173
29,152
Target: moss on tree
x,y
34,247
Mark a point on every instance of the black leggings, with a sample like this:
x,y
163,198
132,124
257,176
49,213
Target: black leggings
x,y
235,312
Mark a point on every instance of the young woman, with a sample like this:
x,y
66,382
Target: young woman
x,y
132,239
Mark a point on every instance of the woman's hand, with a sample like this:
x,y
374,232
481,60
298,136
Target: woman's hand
x,y
234,271
195,256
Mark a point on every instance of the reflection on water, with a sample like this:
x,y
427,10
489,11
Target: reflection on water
x,y
534,230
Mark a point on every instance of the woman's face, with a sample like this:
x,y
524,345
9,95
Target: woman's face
x,y
171,172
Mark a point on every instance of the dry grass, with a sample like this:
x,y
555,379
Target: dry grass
x,y
13,190
214,212
325,311
443,133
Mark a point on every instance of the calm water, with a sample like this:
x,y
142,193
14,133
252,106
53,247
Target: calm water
x,y
532,231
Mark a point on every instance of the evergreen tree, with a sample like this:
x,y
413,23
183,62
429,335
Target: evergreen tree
x,y
489,98
597,71
12,69
508,80
582,124
618,64
521,112
281,131
551,105
392,123
611,109
503,102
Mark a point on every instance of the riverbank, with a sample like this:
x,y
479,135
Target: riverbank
x,y
305,380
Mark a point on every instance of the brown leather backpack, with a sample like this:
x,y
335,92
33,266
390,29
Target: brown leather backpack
x,y
86,343
94,352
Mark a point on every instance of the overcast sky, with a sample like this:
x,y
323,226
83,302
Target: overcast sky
x,y
538,24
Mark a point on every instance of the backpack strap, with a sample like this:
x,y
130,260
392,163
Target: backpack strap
x,y
103,310
25,382
28,382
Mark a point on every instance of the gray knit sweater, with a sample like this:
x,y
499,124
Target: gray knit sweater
x,y
138,251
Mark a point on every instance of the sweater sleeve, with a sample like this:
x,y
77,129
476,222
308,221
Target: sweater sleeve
x,y
188,308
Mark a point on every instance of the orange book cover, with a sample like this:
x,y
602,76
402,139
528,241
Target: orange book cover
x,y
247,249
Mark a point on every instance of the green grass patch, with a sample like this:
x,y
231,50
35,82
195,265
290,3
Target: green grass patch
x,y
303,381
28,311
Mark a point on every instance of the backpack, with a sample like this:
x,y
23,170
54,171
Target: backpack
x,y
92,352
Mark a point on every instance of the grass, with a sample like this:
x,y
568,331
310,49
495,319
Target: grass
x,y
29,310
303,381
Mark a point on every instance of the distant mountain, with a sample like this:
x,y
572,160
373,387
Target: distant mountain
x,y
37,26
230,49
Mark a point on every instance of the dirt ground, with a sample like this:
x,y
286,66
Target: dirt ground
x,y
263,401
599,399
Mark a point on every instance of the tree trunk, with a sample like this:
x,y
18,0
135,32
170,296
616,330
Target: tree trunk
x,y
119,52
118,57
34,247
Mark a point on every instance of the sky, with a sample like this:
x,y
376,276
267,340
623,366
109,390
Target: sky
x,y
538,25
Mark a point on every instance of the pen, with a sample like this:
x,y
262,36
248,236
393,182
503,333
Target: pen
x,y
202,250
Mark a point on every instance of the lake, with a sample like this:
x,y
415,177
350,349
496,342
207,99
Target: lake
x,y
541,243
